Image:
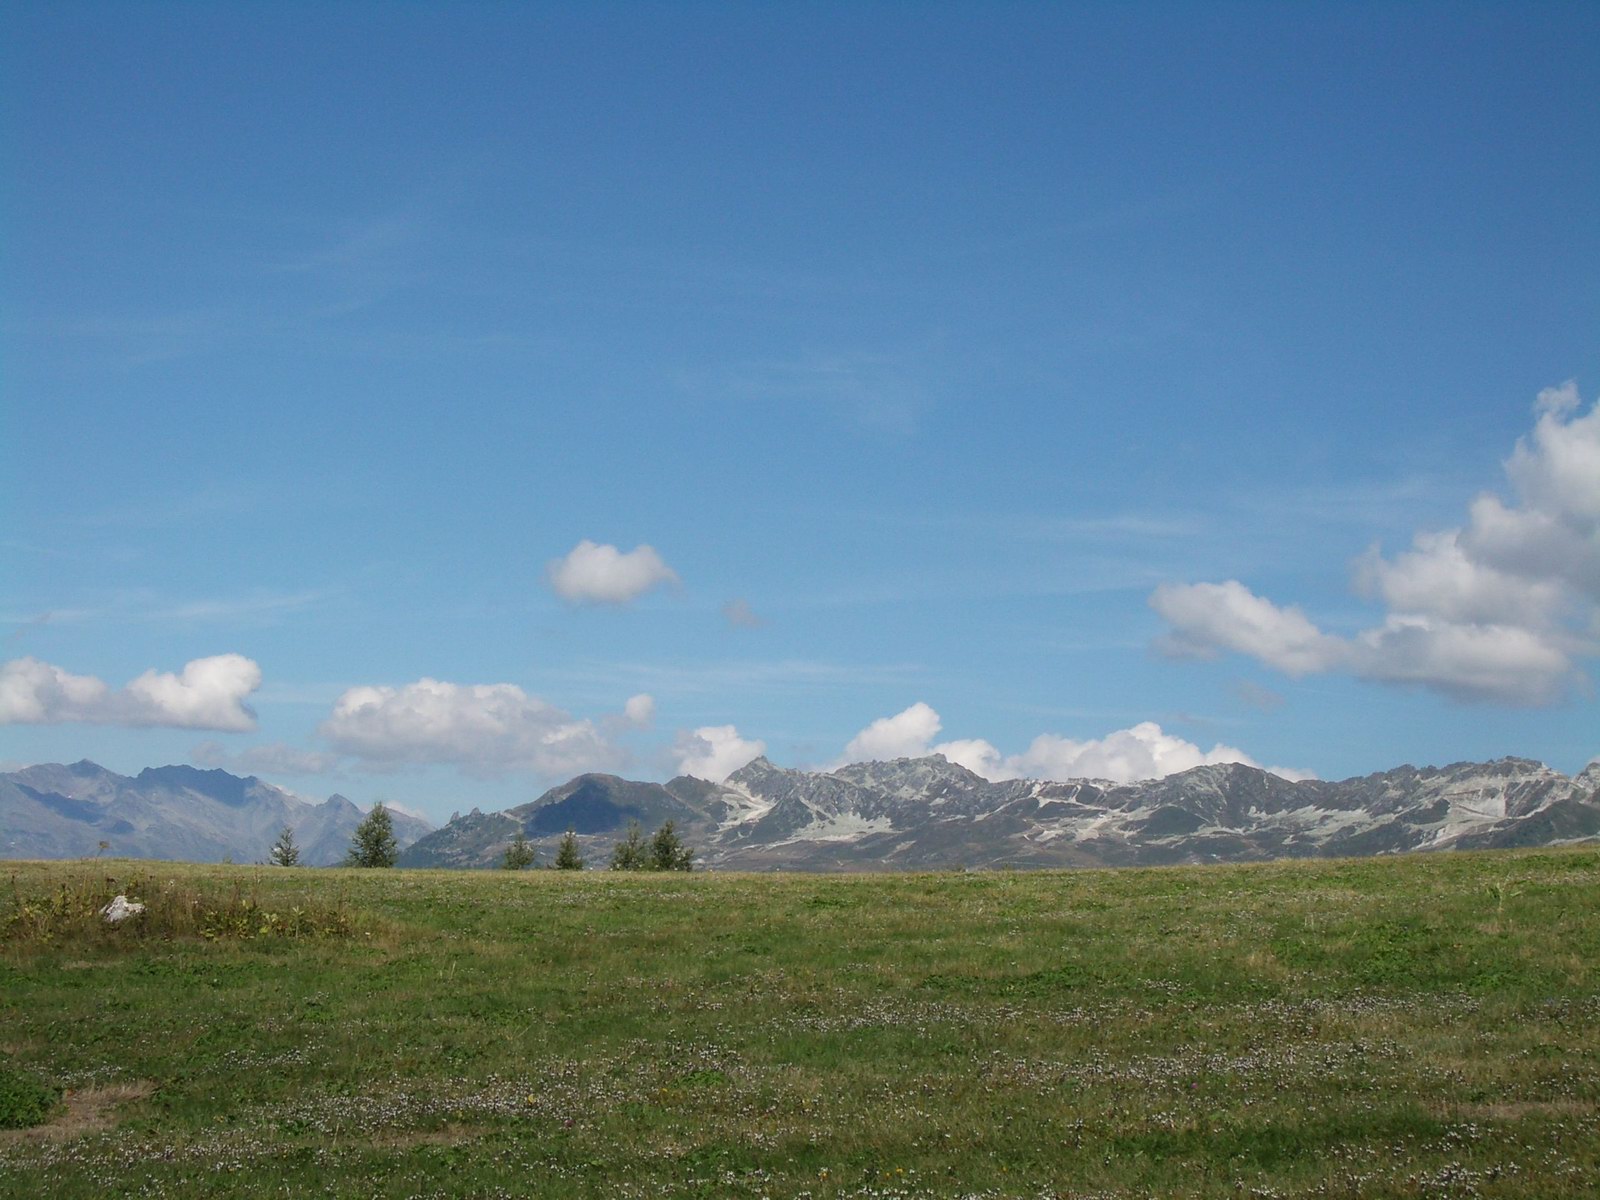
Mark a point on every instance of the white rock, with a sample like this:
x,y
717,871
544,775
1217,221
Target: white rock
x,y
121,909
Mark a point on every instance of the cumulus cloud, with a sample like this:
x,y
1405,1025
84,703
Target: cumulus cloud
x,y
907,734
1498,610
209,693
482,728
1208,617
592,573
714,752
269,758
976,755
1141,752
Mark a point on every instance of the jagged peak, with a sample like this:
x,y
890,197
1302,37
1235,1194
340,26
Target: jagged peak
x,y
85,766
1220,770
925,767
759,767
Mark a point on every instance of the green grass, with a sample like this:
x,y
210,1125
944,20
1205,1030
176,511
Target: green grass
x,y
1421,1026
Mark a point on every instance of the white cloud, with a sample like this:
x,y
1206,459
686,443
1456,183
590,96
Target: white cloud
x,y
1467,661
639,711
1439,577
976,755
1207,617
482,728
269,758
714,752
209,693
601,574
1141,752
1498,610
907,734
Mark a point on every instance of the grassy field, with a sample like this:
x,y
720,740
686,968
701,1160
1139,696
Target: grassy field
x,y
1425,1026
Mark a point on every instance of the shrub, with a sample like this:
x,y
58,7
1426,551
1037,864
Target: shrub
x,y
24,1100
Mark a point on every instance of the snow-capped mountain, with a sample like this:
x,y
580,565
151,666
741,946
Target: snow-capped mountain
x,y
175,813
929,813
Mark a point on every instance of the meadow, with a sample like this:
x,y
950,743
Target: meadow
x,y
1416,1026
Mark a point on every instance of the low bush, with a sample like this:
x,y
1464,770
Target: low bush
x,y
24,1100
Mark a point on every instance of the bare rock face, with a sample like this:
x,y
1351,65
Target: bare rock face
x,y
927,813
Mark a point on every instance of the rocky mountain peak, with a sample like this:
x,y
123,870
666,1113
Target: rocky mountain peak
x,y
928,776
755,771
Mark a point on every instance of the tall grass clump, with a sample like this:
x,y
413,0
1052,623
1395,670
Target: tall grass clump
x,y
72,912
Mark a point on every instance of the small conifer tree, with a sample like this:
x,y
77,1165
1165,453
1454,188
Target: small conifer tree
x,y
285,853
630,854
373,844
667,851
519,853
567,856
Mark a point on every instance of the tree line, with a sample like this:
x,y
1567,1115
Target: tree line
x,y
373,845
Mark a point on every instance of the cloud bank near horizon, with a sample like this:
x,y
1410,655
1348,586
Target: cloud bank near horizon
x,y
209,693
1143,751
484,729
1498,610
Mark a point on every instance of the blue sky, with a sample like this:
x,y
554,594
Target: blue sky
x,y
481,393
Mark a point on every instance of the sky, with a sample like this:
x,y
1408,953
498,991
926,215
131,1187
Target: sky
x,y
428,402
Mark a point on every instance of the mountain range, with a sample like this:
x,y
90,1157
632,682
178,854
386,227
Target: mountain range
x,y
928,813
906,814
174,813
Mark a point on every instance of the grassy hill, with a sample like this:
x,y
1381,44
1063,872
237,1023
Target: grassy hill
x,y
1420,1026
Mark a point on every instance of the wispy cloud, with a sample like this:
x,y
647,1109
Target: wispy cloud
x,y
360,263
147,607
253,608
176,509
1117,527
739,615
735,676
269,758
878,391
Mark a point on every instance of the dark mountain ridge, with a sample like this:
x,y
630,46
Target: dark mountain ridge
x,y
911,813
172,812
930,813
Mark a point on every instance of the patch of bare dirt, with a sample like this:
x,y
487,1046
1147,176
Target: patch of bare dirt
x,y
1512,1110
450,1135
82,1111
